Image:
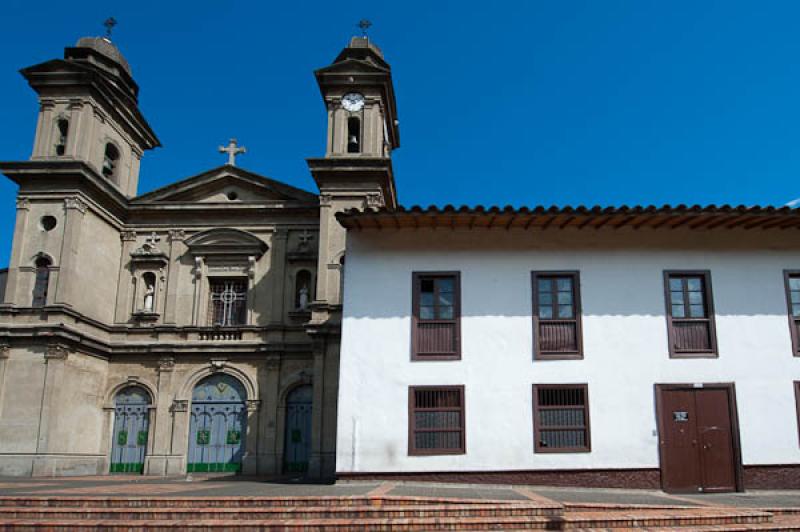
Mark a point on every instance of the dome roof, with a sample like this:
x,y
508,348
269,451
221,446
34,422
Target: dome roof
x,y
104,46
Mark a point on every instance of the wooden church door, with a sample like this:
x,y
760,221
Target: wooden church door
x,y
217,426
131,421
298,430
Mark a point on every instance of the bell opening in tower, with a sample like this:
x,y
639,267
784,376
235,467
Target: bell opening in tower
x,y
353,135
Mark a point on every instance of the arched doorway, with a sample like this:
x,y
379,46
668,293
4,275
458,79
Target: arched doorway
x,y
131,422
218,425
297,446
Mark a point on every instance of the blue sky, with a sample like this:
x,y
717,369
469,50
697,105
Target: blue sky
x,y
522,103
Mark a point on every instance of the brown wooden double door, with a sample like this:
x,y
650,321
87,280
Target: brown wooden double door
x,y
698,438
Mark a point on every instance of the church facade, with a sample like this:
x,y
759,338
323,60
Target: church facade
x,y
194,328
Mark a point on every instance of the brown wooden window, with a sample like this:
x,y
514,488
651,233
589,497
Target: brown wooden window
x,y
557,315
436,323
561,418
227,302
792,279
690,313
436,420
797,403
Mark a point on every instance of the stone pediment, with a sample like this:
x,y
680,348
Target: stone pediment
x,y
226,242
227,184
353,65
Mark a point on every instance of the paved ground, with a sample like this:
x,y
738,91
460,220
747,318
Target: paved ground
x,y
138,486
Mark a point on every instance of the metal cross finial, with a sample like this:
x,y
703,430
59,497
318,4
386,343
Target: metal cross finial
x,y
232,150
109,24
364,24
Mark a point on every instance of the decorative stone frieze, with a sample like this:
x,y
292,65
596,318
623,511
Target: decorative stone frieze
x,y
5,351
128,236
177,235
374,200
180,405
56,352
23,203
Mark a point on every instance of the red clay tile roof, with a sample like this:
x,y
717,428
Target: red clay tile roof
x,y
666,217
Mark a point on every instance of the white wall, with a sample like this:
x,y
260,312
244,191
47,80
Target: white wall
x,y
624,333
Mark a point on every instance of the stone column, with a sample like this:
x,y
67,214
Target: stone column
x,y
44,129
278,267
54,358
75,126
17,260
161,420
250,458
122,313
75,209
198,290
176,249
317,403
269,376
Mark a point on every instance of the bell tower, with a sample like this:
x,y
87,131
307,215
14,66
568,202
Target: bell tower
x,y
356,172
89,112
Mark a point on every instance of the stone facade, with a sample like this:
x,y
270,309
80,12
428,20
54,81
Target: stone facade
x,y
108,291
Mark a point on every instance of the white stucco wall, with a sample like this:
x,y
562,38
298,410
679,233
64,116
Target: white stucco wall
x,y
624,336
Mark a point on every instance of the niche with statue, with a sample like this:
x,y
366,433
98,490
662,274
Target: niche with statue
x,y
148,263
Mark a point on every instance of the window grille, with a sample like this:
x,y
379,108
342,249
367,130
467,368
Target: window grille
x,y
436,420
556,315
227,302
561,418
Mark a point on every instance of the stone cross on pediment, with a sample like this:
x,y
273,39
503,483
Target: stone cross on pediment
x,y
233,149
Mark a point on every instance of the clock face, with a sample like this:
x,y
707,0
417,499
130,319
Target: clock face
x,y
353,101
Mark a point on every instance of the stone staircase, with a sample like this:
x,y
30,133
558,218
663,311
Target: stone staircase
x,y
322,514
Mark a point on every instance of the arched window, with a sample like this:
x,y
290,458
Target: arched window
x,y
110,161
62,131
149,299
302,290
353,135
42,282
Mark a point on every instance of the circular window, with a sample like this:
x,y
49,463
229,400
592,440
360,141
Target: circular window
x,y
232,195
48,223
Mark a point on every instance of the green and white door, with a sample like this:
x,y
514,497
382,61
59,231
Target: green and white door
x,y
297,445
131,421
217,426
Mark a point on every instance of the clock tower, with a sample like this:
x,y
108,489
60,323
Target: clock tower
x,y
356,172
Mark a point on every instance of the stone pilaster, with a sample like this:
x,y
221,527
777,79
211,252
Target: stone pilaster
x,y
161,420
13,295
55,357
75,210
278,266
5,351
250,458
269,375
176,249
176,464
317,406
122,312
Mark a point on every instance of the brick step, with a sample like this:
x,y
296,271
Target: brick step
x,y
293,525
243,502
384,511
686,517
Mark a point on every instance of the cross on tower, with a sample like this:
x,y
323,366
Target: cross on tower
x,y
109,24
232,150
364,24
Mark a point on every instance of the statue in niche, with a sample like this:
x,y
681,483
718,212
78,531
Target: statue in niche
x,y
302,300
149,292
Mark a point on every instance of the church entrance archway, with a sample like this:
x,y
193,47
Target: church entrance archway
x,y
298,430
131,422
218,425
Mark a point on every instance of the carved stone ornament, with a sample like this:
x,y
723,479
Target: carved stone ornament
x,y
180,405
128,236
218,364
251,267
198,268
149,248
56,352
23,203
374,200
75,203
166,363
177,235
253,405
325,199
5,351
